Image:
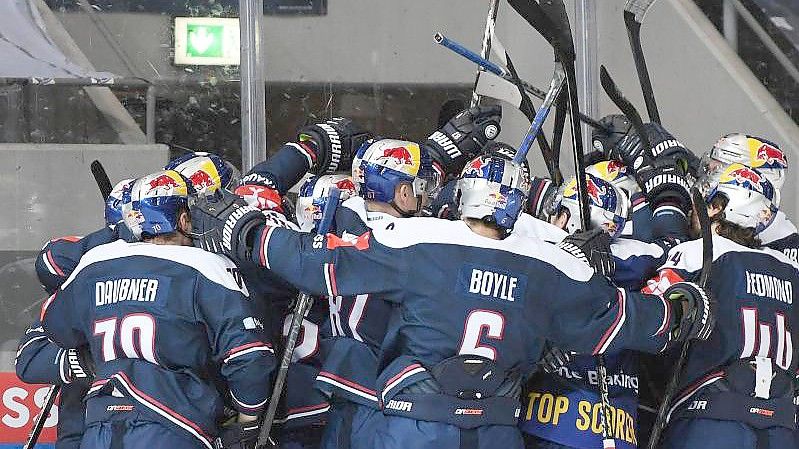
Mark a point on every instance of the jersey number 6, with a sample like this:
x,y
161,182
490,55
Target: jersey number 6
x,y
136,336
481,323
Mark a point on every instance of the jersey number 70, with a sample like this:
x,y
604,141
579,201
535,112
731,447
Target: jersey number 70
x,y
136,336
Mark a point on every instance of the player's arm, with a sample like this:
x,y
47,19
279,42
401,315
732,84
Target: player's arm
x,y
60,317
59,257
41,361
238,342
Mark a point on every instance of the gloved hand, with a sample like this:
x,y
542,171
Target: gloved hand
x,y
592,248
221,224
693,311
238,436
463,137
617,126
555,358
332,144
77,365
661,171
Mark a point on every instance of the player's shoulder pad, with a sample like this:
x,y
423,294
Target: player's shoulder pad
x,y
688,255
408,232
357,207
214,267
780,228
625,248
529,226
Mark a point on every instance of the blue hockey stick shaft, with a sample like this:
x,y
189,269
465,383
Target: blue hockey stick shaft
x,y
470,55
555,86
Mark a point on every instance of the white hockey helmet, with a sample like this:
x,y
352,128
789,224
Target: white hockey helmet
x,y
493,187
752,200
313,196
609,209
753,152
616,173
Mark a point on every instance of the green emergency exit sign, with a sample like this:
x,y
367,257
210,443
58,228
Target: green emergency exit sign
x,y
206,41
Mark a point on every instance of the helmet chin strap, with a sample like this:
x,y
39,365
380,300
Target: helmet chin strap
x,y
405,214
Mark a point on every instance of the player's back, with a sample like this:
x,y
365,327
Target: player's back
x,y
781,235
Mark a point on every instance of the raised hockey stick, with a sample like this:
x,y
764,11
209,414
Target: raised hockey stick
x,y
501,72
634,12
101,178
625,106
552,22
485,48
301,307
707,262
38,424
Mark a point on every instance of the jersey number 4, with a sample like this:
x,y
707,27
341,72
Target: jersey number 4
x,y
482,323
757,338
134,333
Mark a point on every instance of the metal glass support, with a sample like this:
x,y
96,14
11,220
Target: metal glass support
x,y
585,41
772,46
730,24
253,88
149,115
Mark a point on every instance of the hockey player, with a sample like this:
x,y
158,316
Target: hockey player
x,y
472,308
736,389
770,161
562,407
162,320
38,359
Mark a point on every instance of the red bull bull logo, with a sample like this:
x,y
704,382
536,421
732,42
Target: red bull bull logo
x,y
771,156
165,181
595,192
746,177
398,155
201,180
475,167
346,185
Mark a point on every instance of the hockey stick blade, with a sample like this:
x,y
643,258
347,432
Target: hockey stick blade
x,y
101,178
624,105
303,304
548,19
634,12
485,48
41,418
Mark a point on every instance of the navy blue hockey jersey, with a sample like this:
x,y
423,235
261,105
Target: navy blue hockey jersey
x,y
782,236
60,256
162,322
461,293
754,291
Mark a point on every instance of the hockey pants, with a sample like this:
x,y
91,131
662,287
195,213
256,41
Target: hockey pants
x,y
351,426
405,433
715,434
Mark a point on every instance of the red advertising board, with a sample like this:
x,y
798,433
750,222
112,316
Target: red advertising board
x,y
21,403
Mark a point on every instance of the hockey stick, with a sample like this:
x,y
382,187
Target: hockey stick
x,y
552,22
707,262
38,425
301,308
488,33
101,178
557,133
614,93
634,12
496,69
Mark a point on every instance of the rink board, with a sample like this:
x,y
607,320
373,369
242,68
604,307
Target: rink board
x,y
19,406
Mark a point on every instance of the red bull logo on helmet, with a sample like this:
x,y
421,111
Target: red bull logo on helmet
x,y
346,185
399,155
743,176
593,186
475,168
771,156
165,183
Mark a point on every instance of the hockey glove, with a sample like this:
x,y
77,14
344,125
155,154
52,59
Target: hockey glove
x,y
555,358
617,126
332,144
76,365
238,436
221,224
592,248
463,137
692,309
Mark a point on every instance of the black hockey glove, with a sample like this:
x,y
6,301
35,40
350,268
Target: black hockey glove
x,y
617,126
463,137
221,224
238,436
333,143
593,248
555,358
77,366
693,311
661,171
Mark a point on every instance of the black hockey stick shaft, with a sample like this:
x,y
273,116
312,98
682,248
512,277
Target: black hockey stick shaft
x,y
41,418
700,208
614,93
561,111
634,11
485,48
101,178
301,307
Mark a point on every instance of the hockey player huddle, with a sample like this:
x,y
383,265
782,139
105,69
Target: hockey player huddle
x,y
457,302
